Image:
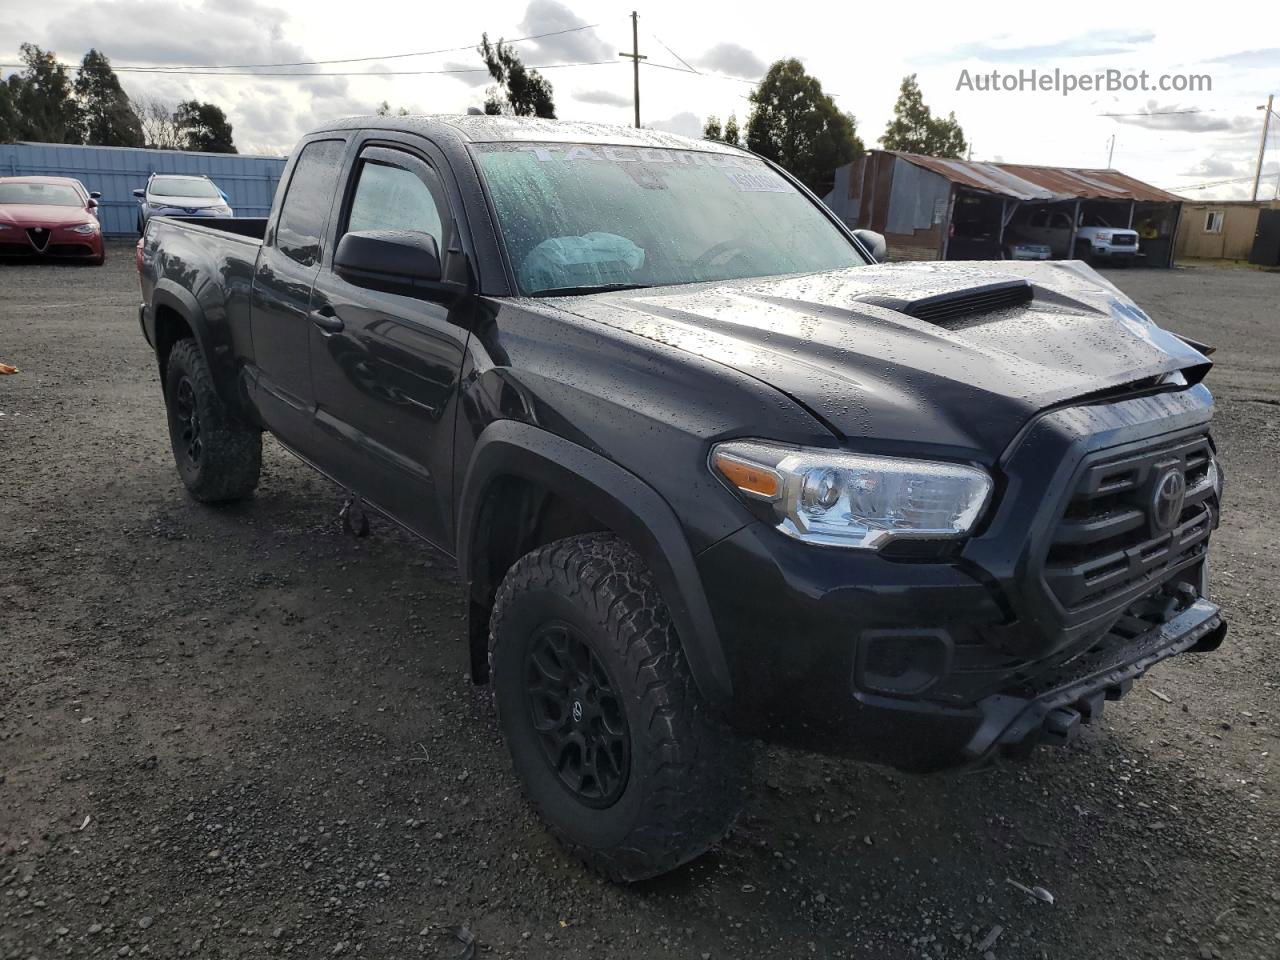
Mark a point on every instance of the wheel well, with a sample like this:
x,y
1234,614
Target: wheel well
x,y
516,516
171,327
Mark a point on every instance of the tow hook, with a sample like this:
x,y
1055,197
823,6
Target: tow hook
x,y
355,520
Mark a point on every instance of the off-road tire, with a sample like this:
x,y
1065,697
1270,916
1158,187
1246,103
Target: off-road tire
x,y
687,774
230,453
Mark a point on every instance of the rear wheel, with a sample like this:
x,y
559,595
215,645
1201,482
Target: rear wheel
x,y
614,745
218,458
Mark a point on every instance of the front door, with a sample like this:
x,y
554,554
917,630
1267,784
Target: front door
x,y
281,295
385,366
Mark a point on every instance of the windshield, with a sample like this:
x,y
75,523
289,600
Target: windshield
x,y
41,194
178,187
579,217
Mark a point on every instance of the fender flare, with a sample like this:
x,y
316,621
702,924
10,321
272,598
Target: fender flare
x,y
626,505
169,294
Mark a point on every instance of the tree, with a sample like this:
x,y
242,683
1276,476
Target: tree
x,y
914,128
204,127
106,115
384,110
731,133
796,125
8,111
159,125
517,89
43,101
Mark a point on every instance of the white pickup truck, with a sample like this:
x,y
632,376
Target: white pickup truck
x,y
1095,239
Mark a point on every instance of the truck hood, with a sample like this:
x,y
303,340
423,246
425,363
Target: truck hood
x,y
841,344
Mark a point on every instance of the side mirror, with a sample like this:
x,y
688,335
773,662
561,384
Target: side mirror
x,y
397,261
875,244
140,193
93,202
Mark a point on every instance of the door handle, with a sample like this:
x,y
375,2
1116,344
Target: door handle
x,y
326,320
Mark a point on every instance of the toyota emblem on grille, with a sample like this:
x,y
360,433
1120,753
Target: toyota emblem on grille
x,y
1166,503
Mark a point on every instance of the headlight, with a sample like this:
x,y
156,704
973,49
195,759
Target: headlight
x,y
1102,238
844,499
86,228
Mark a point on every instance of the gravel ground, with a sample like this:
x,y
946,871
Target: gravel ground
x,y
240,733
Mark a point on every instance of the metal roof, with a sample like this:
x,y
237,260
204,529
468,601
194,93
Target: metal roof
x,y
1024,182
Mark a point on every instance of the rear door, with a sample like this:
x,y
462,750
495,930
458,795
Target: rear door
x,y
281,296
385,366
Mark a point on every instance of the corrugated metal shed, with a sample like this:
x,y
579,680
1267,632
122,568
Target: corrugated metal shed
x,y
249,182
1023,182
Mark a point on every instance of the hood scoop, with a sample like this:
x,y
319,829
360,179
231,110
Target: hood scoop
x,y
950,309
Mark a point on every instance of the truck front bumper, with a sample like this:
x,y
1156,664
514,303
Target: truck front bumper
x,y
1066,593
1076,695
817,643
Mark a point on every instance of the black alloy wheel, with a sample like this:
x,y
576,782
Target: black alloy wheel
x,y
188,417
577,715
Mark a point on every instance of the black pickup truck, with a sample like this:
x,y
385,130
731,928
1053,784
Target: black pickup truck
x,y
711,473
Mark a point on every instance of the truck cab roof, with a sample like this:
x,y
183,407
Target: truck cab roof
x,y
474,128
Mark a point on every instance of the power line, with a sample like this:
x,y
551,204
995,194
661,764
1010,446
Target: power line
x,y
184,68
699,73
691,67
1211,183
343,73
1156,113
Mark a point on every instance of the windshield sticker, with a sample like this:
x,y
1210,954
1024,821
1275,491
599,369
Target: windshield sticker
x,y
696,158
757,181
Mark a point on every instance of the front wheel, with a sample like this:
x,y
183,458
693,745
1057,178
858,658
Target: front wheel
x,y
614,745
218,458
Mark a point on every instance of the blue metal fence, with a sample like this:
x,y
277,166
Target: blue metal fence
x,y
249,182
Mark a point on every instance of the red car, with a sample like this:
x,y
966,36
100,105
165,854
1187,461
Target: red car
x,y
53,217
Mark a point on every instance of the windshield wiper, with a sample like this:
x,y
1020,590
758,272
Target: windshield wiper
x,y
596,288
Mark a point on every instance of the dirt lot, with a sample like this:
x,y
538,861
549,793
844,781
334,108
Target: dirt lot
x,y
239,733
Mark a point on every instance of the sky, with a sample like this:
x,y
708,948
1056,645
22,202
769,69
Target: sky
x,y
703,58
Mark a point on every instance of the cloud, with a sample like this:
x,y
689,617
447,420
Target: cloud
x,y
735,60
267,115
1097,43
162,32
1215,166
1181,119
606,98
548,16
685,123
479,79
1267,58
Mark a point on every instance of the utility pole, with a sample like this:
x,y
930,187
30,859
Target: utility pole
x,y
1111,150
1262,147
635,58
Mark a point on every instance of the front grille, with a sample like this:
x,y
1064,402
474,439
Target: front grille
x,y
1124,240
39,237
1111,543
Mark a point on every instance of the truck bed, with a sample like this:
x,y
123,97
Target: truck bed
x,y
251,228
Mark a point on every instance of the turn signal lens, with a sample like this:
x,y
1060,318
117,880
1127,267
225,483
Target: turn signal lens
x,y
752,479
